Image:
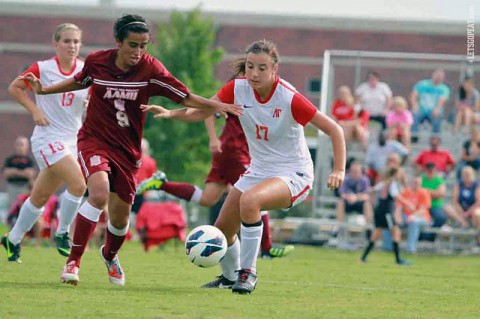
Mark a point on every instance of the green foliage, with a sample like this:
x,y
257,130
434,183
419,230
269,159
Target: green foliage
x,y
185,45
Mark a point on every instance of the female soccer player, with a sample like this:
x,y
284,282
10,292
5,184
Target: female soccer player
x,y
281,170
121,79
58,118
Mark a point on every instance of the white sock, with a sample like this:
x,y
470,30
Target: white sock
x,y
231,262
89,212
250,246
69,205
197,195
27,217
116,231
264,212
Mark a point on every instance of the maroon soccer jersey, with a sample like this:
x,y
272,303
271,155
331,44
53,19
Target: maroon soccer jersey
x,y
114,117
234,142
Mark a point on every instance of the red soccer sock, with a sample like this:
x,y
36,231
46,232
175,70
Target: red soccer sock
x,y
266,241
83,231
180,190
113,243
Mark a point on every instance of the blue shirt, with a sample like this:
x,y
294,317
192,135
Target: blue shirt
x,y
358,186
466,195
429,94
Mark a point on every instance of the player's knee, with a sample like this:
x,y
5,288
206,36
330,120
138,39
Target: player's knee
x,y
39,199
249,203
98,198
77,189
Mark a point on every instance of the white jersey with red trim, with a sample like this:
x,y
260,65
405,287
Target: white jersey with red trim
x,y
274,127
63,110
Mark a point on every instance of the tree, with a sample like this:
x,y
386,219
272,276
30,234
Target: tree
x,y
185,45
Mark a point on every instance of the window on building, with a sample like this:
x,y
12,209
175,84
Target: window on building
x,y
314,85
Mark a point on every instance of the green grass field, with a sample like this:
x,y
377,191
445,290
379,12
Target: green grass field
x,y
310,283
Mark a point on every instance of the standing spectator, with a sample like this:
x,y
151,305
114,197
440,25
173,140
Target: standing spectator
x,y
415,202
374,97
386,217
399,121
109,141
465,206
18,170
428,100
354,125
435,184
470,152
442,159
354,194
378,153
468,104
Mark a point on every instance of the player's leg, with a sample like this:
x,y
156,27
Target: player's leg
x,y
68,169
229,223
376,234
43,187
87,218
268,249
396,236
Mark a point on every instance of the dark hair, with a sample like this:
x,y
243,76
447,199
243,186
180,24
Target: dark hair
x,y
129,23
391,172
261,46
374,73
462,93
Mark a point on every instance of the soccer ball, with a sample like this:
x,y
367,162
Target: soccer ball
x,y
205,246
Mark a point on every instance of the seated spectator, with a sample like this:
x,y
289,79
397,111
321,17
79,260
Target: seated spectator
x,y
465,206
428,100
468,104
415,203
374,97
442,159
377,154
399,121
354,125
435,184
354,194
470,152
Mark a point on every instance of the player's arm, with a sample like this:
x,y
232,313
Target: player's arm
x,y
335,132
198,102
67,85
214,144
18,90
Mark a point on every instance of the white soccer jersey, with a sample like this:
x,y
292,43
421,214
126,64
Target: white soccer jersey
x,y
63,110
274,128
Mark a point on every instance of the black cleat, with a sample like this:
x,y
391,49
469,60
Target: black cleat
x,y
221,283
13,251
246,282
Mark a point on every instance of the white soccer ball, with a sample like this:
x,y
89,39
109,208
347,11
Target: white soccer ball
x,y
206,246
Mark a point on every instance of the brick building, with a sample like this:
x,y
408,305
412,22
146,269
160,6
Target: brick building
x,y
26,30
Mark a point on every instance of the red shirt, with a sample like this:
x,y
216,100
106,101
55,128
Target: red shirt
x,y
441,158
114,117
148,168
342,112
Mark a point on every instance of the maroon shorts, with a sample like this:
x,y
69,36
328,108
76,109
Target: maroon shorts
x,y
122,175
227,169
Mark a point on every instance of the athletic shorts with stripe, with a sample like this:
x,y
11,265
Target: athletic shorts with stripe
x,y
49,151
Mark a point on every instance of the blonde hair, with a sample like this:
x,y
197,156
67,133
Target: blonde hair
x,y
468,171
400,100
64,27
349,100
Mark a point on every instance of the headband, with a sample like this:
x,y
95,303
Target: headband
x,y
131,23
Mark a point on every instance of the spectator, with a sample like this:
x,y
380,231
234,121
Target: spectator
x,y
354,125
354,194
399,121
374,97
415,203
470,152
377,154
465,206
18,170
468,104
442,159
147,169
436,186
428,99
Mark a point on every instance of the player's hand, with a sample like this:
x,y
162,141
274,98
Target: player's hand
x,y
33,81
335,179
223,109
157,110
215,146
40,119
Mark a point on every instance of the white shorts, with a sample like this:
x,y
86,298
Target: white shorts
x,y
299,183
48,152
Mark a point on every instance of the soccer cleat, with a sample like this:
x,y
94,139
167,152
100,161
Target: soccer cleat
x,y
403,262
13,251
62,241
155,182
278,251
70,274
115,271
221,283
246,282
